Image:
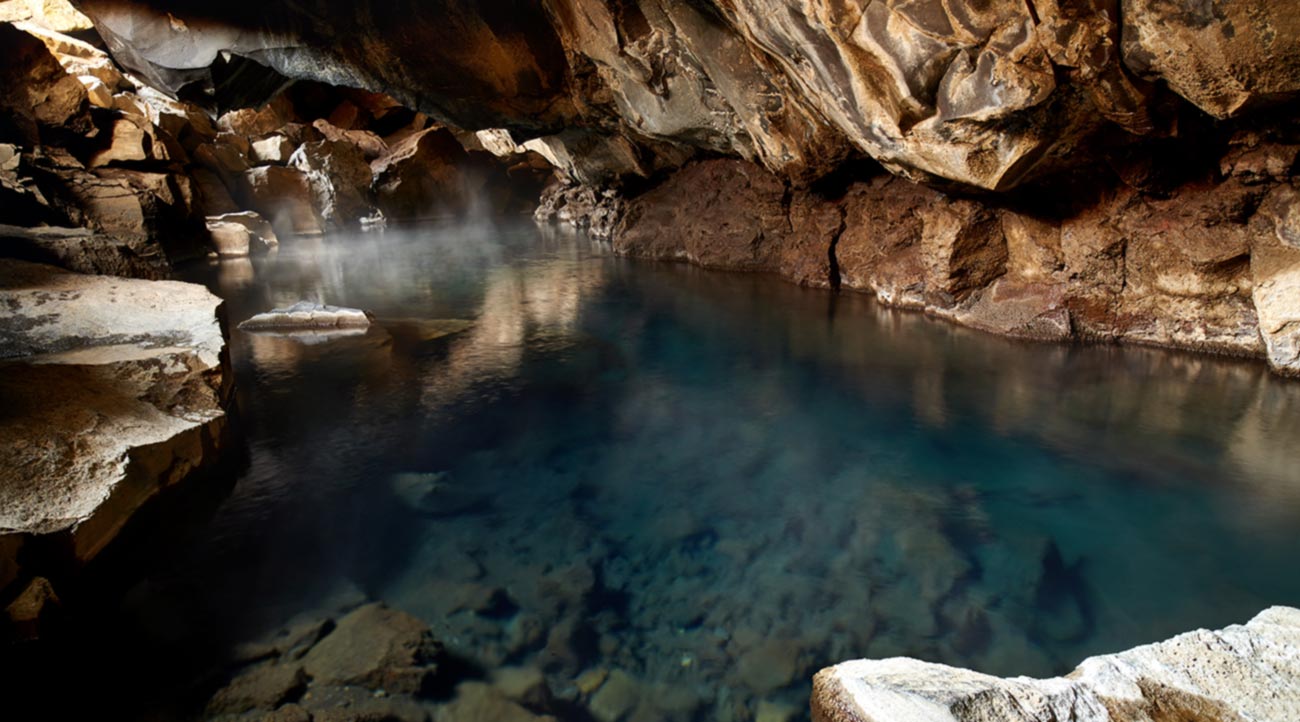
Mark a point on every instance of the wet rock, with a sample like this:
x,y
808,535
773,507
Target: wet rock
x,y
339,177
307,316
260,687
1240,672
241,234
768,665
117,390
616,698
525,685
477,701
370,145
360,704
377,648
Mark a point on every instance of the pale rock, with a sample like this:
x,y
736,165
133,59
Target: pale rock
x,y
116,390
58,15
1242,672
127,141
307,316
339,177
282,195
241,234
274,148
97,93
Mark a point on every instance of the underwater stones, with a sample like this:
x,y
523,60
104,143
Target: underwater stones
x,y
617,696
769,665
477,701
117,389
525,685
29,613
262,686
1241,672
376,647
307,316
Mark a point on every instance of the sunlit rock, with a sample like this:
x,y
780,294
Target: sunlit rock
x,y
117,390
1241,672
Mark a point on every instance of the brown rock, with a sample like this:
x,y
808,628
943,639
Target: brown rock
x,y
282,195
477,701
419,176
274,148
339,177
241,234
378,648
260,687
38,92
127,141
29,613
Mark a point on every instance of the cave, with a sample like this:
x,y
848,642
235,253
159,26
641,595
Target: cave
x,y
641,360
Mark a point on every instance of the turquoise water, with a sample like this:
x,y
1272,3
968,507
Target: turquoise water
x,y
720,483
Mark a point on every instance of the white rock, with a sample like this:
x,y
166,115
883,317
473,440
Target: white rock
x,y
1244,672
241,234
306,316
272,149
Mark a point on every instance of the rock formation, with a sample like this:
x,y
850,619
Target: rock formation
x,y
1096,169
1243,672
114,390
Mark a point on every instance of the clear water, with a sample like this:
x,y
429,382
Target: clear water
x,y
720,483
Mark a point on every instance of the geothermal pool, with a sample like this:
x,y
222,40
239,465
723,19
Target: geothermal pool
x,y
716,484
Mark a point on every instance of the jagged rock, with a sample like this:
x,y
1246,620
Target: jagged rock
x,y
370,145
273,148
84,251
1275,271
38,92
1225,59
79,57
257,122
1241,672
58,15
339,177
284,196
307,316
377,648
419,175
116,390
241,234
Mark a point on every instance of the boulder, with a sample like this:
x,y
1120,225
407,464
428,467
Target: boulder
x,y
260,687
29,613
339,177
79,57
377,648
126,141
84,251
1242,672
370,145
38,91
58,15
419,175
241,234
115,390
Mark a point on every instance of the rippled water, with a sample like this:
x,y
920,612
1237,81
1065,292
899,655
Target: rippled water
x,y
719,483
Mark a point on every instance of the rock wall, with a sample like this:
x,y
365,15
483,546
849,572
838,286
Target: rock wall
x,y
1243,672
1100,169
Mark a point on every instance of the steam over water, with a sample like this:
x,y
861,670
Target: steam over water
x,y
716,484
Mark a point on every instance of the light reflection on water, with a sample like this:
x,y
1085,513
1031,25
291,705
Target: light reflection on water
x,y
719,483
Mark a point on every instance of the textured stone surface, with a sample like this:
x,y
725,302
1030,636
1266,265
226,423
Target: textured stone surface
x,y
115,390
306,315
1242,672
241,234
376,647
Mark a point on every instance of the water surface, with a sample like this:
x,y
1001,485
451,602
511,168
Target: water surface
x,y
720,483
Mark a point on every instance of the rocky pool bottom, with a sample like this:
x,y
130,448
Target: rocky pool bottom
x,y
620,490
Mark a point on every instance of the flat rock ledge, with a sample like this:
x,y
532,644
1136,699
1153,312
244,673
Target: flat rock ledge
x,y
307,316
1243,673
111,389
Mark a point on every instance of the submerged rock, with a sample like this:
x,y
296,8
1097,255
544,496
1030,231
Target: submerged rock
x,y
378,648
1242,672
114,389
